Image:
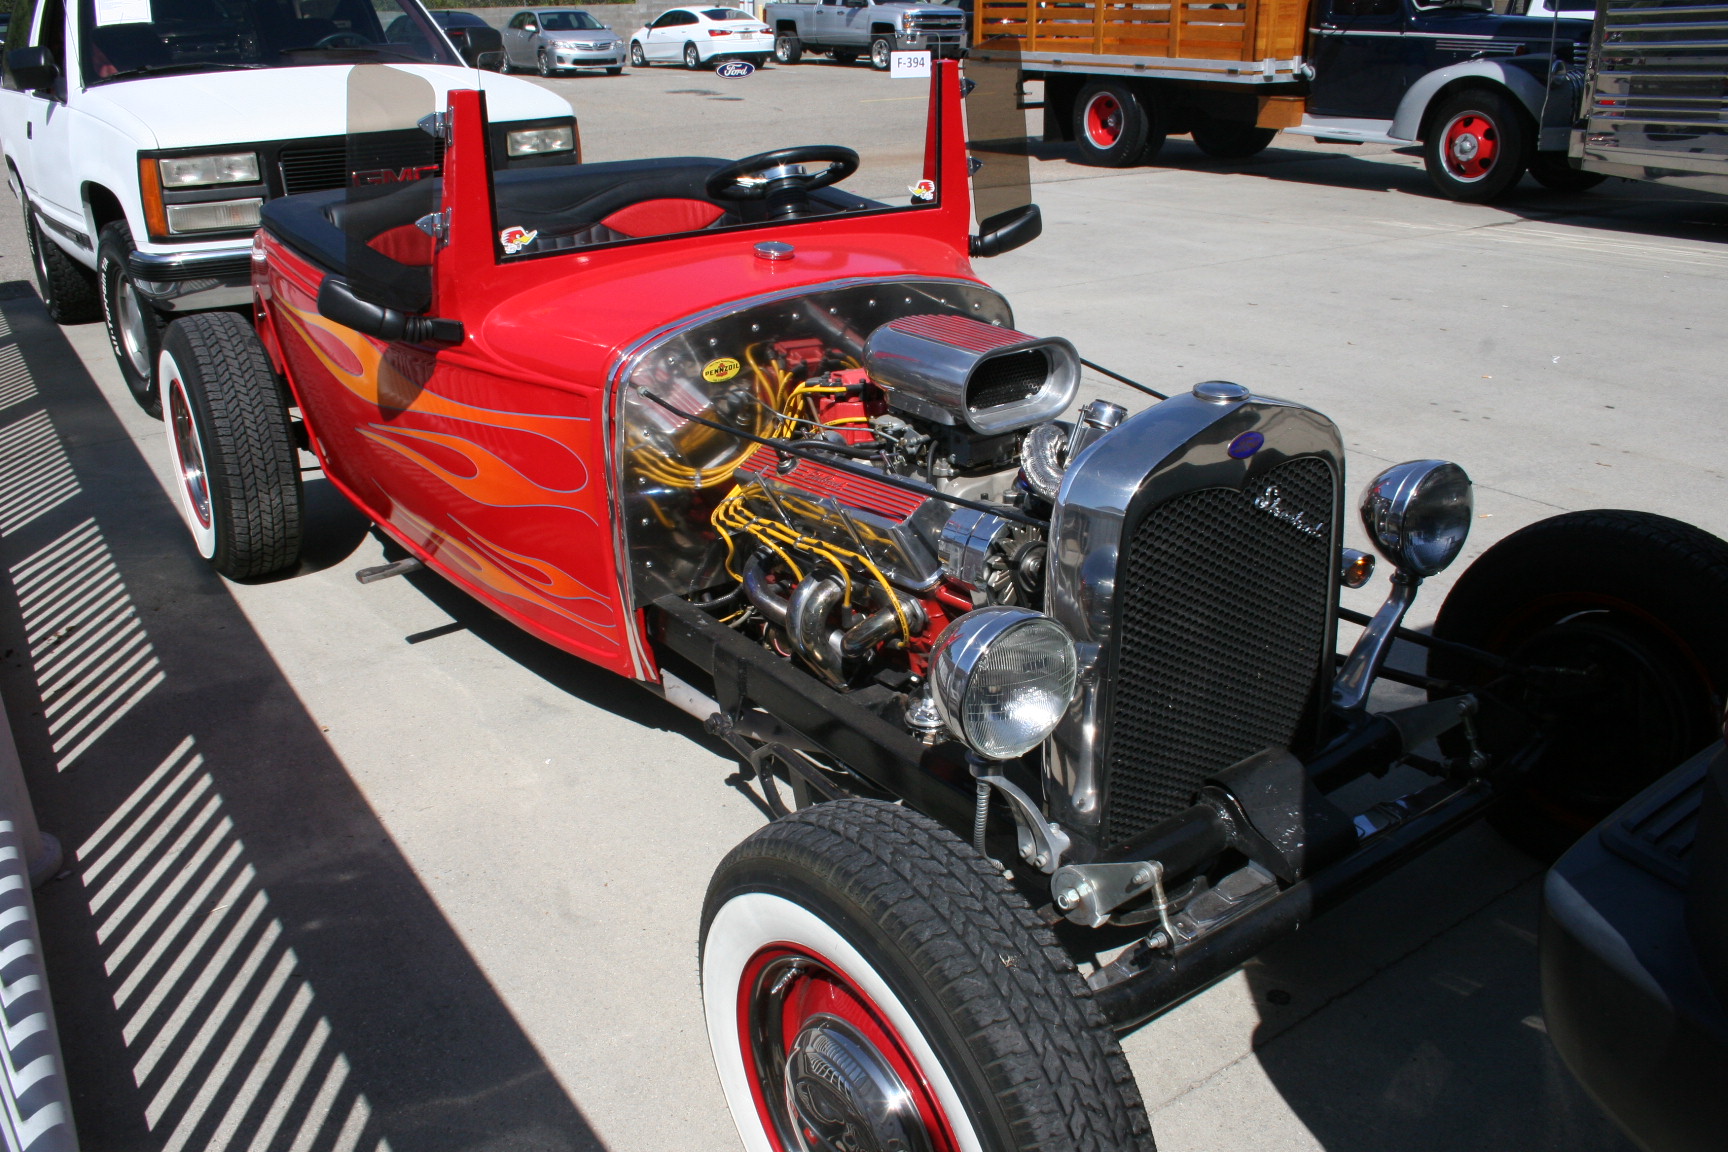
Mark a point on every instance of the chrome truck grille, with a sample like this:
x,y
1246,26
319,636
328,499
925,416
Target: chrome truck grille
x,y
1224,622
1194,560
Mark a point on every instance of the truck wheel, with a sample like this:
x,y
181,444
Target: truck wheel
x,y
134,326
1230,139
881,53
1478,146
67,288
692,58
1553,171
638,58
788,49
1115,127
230,445
870,981
844,56
1636,607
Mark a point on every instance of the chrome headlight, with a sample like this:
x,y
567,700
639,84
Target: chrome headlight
x,y
192,171
1418,514
539,141
1002,678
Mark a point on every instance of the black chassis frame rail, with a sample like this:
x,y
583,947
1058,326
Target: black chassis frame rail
x,y
932,782
886,756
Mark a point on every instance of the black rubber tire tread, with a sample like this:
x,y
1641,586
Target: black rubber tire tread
x,y
637,50
1517,136
1675,572
1553,172
68,289
1143,131
788,49
252,464
1231,139
112,249
887,55
1036,1045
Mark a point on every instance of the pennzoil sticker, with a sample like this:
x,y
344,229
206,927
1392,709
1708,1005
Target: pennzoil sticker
x,y
516,238
924,190
721,370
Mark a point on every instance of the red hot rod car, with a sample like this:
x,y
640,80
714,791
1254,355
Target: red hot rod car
x,y
769,447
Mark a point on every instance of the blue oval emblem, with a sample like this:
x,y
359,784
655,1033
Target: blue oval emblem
x,y
733,69
1246,445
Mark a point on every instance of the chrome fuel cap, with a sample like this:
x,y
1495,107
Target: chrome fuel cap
x,y
1220,391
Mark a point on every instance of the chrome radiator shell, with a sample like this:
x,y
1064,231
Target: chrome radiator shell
x,y
1177,450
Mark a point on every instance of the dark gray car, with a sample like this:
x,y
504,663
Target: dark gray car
x,y
552,40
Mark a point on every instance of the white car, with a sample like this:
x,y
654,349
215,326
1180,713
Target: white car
x,y
143,139
699,36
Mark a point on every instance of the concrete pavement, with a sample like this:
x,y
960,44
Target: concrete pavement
x,y
364,867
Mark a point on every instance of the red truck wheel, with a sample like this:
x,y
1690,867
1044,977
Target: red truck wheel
x,y
1116,127
1478,146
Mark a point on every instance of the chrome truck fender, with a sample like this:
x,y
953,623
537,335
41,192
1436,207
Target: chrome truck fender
x,y
1222,440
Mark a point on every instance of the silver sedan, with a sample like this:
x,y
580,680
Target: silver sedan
x,y
551,40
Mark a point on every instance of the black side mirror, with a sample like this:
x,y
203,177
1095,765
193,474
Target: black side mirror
x,y
337,301
33,68
1008,230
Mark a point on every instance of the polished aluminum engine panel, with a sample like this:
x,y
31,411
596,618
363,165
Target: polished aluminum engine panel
x,y
1179,446
930,366
670,472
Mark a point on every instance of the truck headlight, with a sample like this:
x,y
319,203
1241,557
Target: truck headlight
x,y
1418,514
539,141
193,171
1002,678
214,216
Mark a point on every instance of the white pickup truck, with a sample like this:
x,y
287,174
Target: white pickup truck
x,y
142,138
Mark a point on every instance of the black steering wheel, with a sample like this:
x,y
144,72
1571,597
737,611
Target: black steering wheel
x,y
780,178
343,40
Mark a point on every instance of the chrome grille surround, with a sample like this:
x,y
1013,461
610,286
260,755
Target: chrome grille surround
x,y
1159,467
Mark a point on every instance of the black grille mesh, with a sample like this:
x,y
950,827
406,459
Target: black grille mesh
x,y
1007,379
1222,636
319,165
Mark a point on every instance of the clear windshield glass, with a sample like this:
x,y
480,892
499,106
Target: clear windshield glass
x,y
568,22
126,38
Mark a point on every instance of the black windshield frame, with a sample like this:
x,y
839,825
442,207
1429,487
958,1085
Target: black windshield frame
x,y
189,36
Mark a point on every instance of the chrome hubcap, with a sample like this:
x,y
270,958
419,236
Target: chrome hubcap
x,y
190,454
1465,147
844,1097
134,327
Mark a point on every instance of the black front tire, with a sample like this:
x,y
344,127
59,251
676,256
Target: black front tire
x,y
134,326
68,289
1478,145
638,58
882,53
1636,606
1116,126
692,58
236,471
934,965
788,49
1554,171
544,66
1231,139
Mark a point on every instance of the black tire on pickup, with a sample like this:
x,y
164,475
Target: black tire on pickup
x,y
236,471
1230,139
1117,126
1623,616
134,325
882,53
67,288
788,49
1554,171
1479,144
926,1003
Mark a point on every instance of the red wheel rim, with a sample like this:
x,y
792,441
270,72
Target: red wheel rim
x,y
826,1068
1469,146
1103,120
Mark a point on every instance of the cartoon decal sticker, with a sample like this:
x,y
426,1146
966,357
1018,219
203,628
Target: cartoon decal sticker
x,y
516,238
924,191
721,370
